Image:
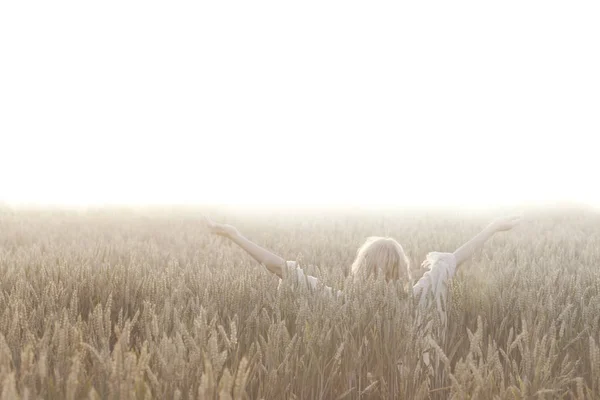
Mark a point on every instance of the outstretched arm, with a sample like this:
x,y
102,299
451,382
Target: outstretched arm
x,y
466,251
272,262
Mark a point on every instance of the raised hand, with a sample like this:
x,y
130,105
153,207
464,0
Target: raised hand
x,y
466,251
272,262
506,223
215,228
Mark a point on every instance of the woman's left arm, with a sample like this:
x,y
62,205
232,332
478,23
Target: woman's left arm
x,y
466,251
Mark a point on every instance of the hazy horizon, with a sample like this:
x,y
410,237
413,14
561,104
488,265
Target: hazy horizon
x,y
526,209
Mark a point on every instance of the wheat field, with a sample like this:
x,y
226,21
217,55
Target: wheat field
x,y
139,304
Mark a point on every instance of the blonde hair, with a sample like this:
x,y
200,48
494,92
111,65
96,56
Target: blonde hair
x,y
381,255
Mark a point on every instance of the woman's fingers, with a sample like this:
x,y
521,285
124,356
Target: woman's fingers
x,y
216,228
212,225
507,223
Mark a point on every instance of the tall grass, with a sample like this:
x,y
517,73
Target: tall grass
x,y
120,304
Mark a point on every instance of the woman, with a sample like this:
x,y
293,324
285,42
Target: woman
x,y
379,255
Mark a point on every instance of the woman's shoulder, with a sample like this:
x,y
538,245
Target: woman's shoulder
x,y
440,266
435,257
295,275
293,271
437,261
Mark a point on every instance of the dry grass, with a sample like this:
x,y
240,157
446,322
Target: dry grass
x,y
125,305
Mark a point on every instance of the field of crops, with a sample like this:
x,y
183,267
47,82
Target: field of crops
x,y
123,304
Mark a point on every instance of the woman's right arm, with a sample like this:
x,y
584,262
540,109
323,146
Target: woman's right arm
x,y
271,261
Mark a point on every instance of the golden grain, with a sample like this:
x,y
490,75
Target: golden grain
x,y
139,307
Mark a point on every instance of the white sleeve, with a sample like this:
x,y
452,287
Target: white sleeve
x,y
435,281
296,276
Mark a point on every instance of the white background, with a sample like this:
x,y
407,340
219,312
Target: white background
x,y
305,102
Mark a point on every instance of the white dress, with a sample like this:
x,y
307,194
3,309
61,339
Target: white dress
x,y
432,285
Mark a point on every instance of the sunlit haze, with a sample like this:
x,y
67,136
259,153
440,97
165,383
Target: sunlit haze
x,y
311,102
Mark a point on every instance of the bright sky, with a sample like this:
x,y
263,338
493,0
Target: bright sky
x,y
304,102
